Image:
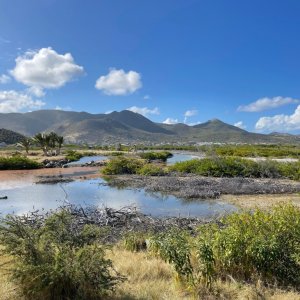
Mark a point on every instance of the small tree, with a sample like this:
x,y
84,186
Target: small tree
x,y
25,143
60,141
43,140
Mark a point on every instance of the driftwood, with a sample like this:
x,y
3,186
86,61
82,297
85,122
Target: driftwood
x,y
118,221
193,186
3,198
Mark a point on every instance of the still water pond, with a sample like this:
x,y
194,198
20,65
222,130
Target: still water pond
x,y
86,159
178,157
95,192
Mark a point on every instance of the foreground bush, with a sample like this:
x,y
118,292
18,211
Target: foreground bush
x,y
123,165
164,155
18,163
235,167
247,247
152,170
54,261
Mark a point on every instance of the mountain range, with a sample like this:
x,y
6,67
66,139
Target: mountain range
x,y
129,127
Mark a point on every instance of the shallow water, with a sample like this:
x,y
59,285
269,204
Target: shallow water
x,y
95,192
177,157
86,159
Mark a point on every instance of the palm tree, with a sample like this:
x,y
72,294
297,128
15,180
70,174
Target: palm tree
x,y
43,140
25,143
60,141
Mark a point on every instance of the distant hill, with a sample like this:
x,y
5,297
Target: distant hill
x,y
10,137
130,127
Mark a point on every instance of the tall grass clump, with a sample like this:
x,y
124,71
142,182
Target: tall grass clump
x,y
56,259
123,165
150,156
238,167
18,162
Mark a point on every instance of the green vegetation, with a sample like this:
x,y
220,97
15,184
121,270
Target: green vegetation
x,y
275,151
156,155
237,167
73,155
49,141
10,137
18,162
130,165
246,246
54,261
123,165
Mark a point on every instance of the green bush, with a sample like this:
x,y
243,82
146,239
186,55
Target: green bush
x,y
135,241
57,260
151,170
73,155
237,167
253,245
246,246
123,165
18,162
164,155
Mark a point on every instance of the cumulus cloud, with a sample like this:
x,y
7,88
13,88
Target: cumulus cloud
x,y
267,103
4,79
190,113
66,108
280,122
240,124
170,121
119,83
144,110
45,69
147,97
13,101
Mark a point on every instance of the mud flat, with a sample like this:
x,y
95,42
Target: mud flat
x,y
189,187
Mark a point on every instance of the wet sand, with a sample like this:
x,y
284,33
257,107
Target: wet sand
x,y
18,178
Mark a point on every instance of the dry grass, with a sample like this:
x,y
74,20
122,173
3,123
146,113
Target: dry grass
x,y
8,290
151,278
263,201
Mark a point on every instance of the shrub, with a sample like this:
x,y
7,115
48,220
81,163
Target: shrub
x,y
123,165
72,155
235,167
135,241
264,245
18,162
57,261
151,170
156,155
173,246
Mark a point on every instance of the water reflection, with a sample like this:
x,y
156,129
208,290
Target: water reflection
x,y
96,192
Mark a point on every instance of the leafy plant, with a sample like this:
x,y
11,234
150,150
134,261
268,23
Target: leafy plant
x,y
18,162
164,155
151,170
123,165
57,260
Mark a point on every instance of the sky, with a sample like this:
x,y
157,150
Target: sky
x,y
185,61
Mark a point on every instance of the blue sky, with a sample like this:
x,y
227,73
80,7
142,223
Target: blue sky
x,y
172,60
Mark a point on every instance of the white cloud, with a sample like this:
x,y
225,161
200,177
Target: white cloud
x,y
4,79
66,108
280,122
267,103
170,121
13,101
144,110
36,91
118,82
189,113
108,112
147,97
240,124
45,69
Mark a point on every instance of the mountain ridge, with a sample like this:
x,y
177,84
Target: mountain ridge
x,y
129,127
